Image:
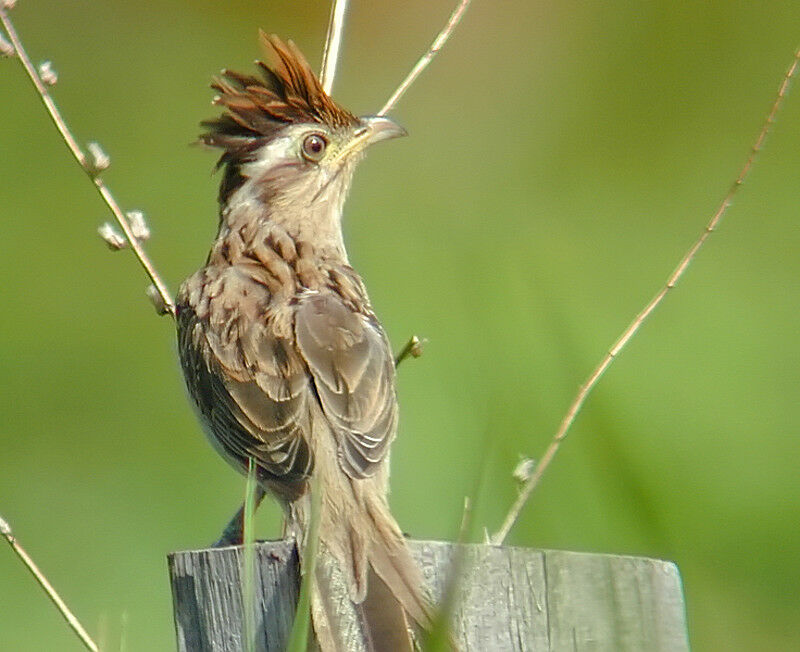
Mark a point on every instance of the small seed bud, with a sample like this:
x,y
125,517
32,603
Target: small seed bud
x,y
8,4
138,225
416,346
156,299
6,49
523,471
47,74
111,237
5,528
99,159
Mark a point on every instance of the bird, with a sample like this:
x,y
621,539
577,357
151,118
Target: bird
x,y
282,353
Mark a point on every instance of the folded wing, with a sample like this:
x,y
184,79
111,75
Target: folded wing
x,y
252,387
353,374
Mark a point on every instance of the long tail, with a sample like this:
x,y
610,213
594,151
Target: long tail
x,y
367,594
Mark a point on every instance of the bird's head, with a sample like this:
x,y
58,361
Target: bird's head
x,y
285,142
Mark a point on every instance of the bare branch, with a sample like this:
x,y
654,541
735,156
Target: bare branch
x,y
425,60
333,43
634,326
72,621
92,165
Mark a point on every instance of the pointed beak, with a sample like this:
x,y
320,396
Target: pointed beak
x,y
379,129
371,130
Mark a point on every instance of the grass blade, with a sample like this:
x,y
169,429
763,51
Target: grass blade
x,y
249,559
298,641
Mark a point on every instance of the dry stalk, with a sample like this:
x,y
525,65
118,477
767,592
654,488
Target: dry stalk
x,y
425,60
72,621
632,329
333,44
91,165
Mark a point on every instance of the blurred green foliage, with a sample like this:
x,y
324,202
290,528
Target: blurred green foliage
x,y
562,157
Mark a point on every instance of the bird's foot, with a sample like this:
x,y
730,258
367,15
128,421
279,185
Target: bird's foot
x,y
233,534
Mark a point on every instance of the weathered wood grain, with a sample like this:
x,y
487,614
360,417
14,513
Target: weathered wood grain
x,y
506,598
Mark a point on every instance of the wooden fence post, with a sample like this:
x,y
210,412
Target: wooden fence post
x,y
507,599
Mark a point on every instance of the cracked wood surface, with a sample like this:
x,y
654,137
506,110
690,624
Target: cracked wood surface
x,y
505,598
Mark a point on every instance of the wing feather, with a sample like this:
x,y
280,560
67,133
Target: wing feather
x,y
252,380
353,370
252,389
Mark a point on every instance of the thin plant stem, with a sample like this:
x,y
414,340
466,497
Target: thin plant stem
x,y
123,632
440,638
333,44
248,558
425,60
83,161
632,329
309,549
72,621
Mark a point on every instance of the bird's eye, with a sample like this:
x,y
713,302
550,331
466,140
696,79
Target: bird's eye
x,y
314,147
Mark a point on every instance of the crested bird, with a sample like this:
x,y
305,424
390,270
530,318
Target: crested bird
x,y
281,351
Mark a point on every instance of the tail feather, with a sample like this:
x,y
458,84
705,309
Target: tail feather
x,y
367,593
379,623
383,620
397,570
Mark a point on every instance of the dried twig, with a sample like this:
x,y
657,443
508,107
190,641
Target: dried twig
x,y
92,165
72,621
333,43
425,60
634,326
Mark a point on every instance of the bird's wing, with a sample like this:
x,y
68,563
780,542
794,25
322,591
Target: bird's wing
x,y
353,372
251,386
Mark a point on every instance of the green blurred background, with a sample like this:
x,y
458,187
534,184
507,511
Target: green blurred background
x,y
562,157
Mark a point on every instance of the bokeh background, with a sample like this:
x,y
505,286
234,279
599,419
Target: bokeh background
x,y
562,157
